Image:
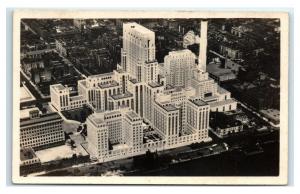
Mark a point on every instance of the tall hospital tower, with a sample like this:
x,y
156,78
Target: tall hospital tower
x,y
138,49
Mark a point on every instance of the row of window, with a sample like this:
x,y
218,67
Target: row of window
x,y
41,131
42,126
37,139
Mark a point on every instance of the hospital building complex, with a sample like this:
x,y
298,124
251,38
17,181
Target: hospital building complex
x,y
144,105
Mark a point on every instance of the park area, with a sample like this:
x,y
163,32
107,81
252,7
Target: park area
x,y
60,153
70,126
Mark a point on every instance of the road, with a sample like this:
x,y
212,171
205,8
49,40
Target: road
x,y
257,114
69,62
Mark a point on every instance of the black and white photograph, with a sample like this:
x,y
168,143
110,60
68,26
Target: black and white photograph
x,y
150,97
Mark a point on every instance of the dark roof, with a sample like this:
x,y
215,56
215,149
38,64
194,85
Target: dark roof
x,y
108,85
155,84
198,102
132,115
121,96
134,81
43,118
169,107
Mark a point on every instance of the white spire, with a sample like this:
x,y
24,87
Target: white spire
x,y
203,46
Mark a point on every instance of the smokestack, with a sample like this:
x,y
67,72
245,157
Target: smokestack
x,y
203,46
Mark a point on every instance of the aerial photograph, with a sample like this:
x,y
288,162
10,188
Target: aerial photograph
x,y
149,97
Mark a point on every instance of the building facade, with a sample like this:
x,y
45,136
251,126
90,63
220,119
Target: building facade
x,y
115,132
178,65
138,48
39,131
61,99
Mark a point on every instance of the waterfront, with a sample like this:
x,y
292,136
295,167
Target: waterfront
x,y
254,154
232,163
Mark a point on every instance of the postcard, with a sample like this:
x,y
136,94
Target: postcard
x,y
150,97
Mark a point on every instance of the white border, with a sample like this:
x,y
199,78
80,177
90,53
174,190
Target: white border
x,y
280,180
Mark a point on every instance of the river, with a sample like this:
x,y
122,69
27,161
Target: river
x,y
227,164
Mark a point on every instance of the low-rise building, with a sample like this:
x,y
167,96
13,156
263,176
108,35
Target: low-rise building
x,y
272,114
39,131
225,125
29,162
25,95
61,99
220,74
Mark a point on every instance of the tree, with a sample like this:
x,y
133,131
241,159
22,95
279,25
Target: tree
x,y
72,143
82,115
44,110
151,160
74,157
79,128
76,117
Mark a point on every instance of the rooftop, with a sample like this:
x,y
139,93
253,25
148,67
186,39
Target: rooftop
x,y
101,75
113,83
198,102
43,118
25,95
155,84
76,98
94,118
169,107
133,114
83,82
177,52
222,90
271,113
121,96
212,98
169,87
220,103
27,154
138,27
133,81
120,71
58,87
112,112
25,112
215,69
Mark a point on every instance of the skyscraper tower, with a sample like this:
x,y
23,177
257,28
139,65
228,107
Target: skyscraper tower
x,y
203,46
138,48
178,65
